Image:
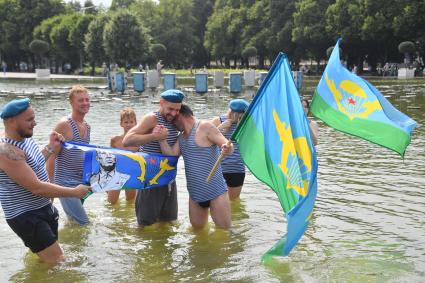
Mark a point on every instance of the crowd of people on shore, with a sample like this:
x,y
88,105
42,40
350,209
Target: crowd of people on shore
x,y
30,178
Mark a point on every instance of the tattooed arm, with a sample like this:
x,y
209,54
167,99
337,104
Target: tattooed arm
x,y
13,163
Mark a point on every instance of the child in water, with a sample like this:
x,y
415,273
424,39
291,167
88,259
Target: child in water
x,y
127,121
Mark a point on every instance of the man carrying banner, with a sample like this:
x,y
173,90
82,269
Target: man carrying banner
x,y
25,190
199,145
157,204
66,168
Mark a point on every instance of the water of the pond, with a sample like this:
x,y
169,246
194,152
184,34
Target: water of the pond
x,y
368,223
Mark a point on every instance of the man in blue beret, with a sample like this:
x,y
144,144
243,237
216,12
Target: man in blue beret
x,y
25,191
157,204
14,107
232,165
199,144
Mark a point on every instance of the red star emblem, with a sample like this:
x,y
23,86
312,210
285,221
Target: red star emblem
x,y
351,101
152,161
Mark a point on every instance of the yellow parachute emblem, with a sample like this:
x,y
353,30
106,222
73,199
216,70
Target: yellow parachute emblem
x,y
351,101
299,147
140,159
142,163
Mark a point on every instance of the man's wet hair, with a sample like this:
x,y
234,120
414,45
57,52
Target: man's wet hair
x,y
186,111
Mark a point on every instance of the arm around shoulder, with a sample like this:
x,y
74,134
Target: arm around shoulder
x,y
170,150
142,132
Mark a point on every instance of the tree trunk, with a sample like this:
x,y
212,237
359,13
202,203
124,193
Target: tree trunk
x,y
93,66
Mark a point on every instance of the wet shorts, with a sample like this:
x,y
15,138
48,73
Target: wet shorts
x,y
156,204
37,228
234,179
204,204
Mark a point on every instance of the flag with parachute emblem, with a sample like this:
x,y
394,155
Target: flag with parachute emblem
x,y
107,169
275,144
352,105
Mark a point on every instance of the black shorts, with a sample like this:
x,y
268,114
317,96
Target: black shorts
x,y
205,204
156,204
234,179
37,228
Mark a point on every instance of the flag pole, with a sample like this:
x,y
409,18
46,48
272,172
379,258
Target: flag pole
x,y
220,158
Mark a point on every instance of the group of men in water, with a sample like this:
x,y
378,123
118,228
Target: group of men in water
x,y
30,178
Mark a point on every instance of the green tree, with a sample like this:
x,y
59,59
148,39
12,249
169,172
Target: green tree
x,y
158,51
344,19
93,42
125,39
31,14
377,32
223,36
257,32
282,23
202,10
77,33
9,31
60,40
90,8
407,48
410,23
175,29
43,31
18,19
39,48
249,52
309,28
121,4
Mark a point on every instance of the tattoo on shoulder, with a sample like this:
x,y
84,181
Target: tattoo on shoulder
x,y
11,152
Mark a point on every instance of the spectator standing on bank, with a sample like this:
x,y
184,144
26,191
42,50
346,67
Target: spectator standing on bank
x,y
4,67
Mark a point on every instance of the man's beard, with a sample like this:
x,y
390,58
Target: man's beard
x,y
24,134
169,118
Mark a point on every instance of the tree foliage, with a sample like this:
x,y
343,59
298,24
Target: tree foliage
x,y
93,41
158,51
195,32
125,39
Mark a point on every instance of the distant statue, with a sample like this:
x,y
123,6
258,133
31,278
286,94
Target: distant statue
x,y
159,67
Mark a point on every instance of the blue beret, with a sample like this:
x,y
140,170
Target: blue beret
x,y
173,95
14,107
238,105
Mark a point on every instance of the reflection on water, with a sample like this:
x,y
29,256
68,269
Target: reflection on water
x,y
368,221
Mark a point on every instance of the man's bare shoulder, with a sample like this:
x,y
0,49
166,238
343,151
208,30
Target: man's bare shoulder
x,y
63,127
116,140
10,152
62,123
147,123
206,125
151,116
216,121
